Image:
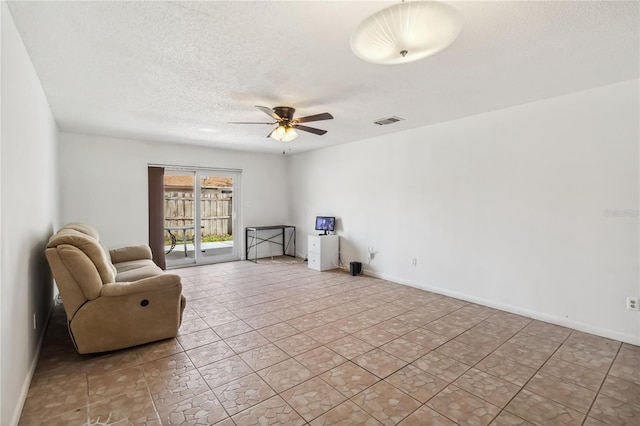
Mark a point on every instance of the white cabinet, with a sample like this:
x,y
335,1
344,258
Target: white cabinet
x,y
323,252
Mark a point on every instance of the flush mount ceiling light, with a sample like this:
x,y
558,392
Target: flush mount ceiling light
x,y
406,32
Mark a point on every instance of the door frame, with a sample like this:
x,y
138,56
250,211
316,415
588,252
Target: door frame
x,y
236,214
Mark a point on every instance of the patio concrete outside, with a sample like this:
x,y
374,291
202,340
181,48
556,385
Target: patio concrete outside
x,y
178,252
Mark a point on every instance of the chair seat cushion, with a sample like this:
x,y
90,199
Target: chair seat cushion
x,y
135,270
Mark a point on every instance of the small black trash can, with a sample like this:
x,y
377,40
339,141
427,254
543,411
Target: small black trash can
x,y
355,268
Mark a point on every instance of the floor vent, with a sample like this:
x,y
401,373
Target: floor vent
x,y
388,120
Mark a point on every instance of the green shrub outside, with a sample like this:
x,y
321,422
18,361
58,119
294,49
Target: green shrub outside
x,y
205,239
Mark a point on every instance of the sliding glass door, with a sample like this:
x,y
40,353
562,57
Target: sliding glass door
x,y
200,216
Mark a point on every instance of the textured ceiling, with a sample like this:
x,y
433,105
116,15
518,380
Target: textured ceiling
x,y
180,71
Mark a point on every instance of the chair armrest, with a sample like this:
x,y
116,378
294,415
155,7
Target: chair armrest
x,y
145,285
128,253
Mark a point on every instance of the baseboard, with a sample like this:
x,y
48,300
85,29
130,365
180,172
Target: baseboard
x,y
564,322
15,419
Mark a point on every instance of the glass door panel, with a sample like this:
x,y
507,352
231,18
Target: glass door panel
x,y
180,217
217,216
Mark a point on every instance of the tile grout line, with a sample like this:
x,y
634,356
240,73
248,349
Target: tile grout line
x,y
534,374
602,385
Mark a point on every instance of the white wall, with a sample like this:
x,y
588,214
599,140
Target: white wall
x,y
28,215
511,208
104,183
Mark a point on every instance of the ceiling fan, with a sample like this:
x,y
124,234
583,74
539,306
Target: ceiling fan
x,y
286,125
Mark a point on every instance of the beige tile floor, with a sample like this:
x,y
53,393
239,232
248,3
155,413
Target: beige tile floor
x,y
277,343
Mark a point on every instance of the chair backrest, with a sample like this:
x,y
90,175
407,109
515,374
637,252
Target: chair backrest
x,y
84,228
80,265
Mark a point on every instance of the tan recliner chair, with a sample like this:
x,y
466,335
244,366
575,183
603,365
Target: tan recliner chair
x,y
113,299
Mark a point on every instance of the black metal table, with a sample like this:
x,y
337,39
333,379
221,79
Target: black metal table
x,y
173,237
256,240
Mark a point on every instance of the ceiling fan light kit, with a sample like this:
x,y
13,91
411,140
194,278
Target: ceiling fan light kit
x,y
406,32
284,133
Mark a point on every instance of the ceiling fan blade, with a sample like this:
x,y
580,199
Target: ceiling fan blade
x,y
269,112
249,122
310,129
315,117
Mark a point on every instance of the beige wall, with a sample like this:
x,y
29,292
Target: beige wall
x,y
28,212
95,169
532,209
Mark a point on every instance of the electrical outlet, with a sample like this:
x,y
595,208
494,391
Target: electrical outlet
x,y
633,304
414,261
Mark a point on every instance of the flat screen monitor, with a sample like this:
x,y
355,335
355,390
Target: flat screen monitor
x,y
325,223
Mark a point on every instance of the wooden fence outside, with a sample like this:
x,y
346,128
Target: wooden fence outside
x,y
216,210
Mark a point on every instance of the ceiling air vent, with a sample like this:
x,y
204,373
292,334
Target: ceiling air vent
x,y
388,120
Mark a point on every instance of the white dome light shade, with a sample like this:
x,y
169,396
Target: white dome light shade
x,y
406,32
280,131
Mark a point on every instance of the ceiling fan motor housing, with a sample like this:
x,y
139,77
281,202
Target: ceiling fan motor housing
x,y
286,113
